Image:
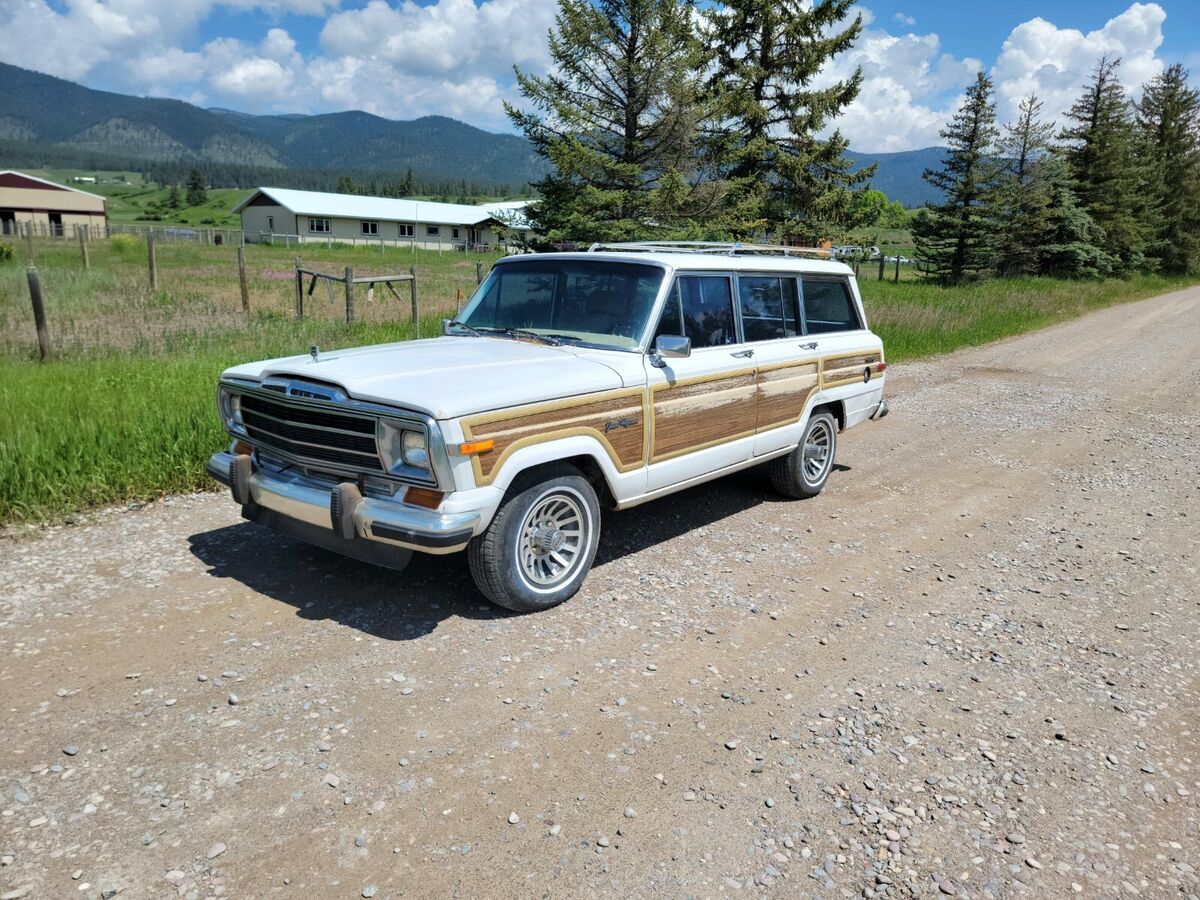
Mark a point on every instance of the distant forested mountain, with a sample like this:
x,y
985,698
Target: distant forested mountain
x,y
46,121
78,122
899,174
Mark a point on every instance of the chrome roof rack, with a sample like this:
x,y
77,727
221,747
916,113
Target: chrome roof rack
x,y
718,248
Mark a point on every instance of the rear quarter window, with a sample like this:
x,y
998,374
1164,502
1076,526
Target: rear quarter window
x,y
828,306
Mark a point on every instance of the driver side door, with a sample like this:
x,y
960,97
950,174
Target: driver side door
x,y
702,407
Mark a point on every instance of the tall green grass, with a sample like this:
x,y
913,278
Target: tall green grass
x,y
126,409
84,432
916,319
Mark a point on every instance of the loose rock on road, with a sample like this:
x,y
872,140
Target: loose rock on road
x,y
969,668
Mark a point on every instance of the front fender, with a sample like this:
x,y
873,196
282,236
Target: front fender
x,y
521,459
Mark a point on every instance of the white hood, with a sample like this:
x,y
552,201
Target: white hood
x,y
453,376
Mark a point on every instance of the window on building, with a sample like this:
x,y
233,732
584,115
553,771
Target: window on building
x,y
433,230
270,223
769,308
405,230
828,307
320,226
454,233
370,228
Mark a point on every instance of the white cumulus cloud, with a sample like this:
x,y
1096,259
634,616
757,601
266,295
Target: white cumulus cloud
x,y
402,59
1040,57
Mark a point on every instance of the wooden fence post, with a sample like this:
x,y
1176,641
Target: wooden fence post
x,y
299,291
83,248
39,313
416,308
349,294
896,276
241,254
478,272
29,239
882,261
153,261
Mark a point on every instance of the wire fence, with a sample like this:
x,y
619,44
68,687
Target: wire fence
x,y
144,292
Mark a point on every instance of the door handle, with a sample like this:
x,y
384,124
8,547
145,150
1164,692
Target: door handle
x,y
743,354
811,345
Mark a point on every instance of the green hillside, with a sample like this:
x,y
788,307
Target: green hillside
x,y
39,111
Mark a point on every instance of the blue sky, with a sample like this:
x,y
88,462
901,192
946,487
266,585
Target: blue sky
x,y
455,57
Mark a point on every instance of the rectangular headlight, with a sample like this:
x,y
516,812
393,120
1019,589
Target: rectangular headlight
x,y
415,453
402,447
230,405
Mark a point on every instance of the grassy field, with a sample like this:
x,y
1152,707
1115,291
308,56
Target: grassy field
x,y
125,409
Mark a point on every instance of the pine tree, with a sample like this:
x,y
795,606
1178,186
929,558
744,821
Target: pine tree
x,y
955,239
617,117
1168,117
1099,149
346,185
197,192
174,199
1023,198
767,54
1068,245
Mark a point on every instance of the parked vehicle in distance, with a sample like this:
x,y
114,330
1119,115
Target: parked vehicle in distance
x,y
570,383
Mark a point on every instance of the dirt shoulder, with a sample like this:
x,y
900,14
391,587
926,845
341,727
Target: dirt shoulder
x,y
968,667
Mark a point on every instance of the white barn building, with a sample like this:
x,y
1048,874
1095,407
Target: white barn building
x,y
272,213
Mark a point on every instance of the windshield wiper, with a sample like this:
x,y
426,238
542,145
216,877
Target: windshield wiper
x,y
525,333
455,323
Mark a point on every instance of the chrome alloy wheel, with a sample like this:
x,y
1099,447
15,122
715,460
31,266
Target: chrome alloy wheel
x,y
818,451
553,539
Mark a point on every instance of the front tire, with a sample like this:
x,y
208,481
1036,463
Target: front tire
x,y
804,471
540,544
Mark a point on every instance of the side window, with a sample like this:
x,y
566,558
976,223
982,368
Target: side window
x,y
828,307
700,307
769,308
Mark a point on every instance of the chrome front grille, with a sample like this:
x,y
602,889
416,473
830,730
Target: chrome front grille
x,y
317,435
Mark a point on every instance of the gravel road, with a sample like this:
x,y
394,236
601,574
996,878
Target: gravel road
x,y
968,668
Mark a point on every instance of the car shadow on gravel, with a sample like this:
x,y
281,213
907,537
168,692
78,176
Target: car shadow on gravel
x,y
400,606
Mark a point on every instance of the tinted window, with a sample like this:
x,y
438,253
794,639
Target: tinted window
x,y
769,308
703,311
828,307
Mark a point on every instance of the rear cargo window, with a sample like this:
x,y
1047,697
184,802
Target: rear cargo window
x,y
828,306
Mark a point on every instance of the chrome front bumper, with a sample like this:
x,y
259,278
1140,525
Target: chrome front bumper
x,y
306,508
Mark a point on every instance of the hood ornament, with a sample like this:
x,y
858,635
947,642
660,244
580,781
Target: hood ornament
x,y
315,352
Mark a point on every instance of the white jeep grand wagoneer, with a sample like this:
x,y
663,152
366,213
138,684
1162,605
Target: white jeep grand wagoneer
x,y
569,382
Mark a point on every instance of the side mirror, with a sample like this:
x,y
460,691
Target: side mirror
x,y
669,346
446,326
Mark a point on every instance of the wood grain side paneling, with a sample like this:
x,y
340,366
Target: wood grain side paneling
x,y
839,370
783,392
701,412
616,419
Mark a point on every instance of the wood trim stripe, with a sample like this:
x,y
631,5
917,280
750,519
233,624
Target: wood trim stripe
x,y
636,426
523,426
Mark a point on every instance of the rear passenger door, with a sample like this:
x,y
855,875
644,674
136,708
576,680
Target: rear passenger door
x,y
787,370
702,407
850,355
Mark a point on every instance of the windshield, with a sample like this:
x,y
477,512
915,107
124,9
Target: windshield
x,y
598,302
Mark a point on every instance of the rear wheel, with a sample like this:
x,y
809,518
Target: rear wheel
x,y
804,471
540,545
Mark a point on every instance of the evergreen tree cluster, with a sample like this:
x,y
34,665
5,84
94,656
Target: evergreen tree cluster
x,y
1115,191
672,119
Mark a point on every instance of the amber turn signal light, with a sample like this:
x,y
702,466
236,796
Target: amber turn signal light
x,y
423,497
472,447
241,447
